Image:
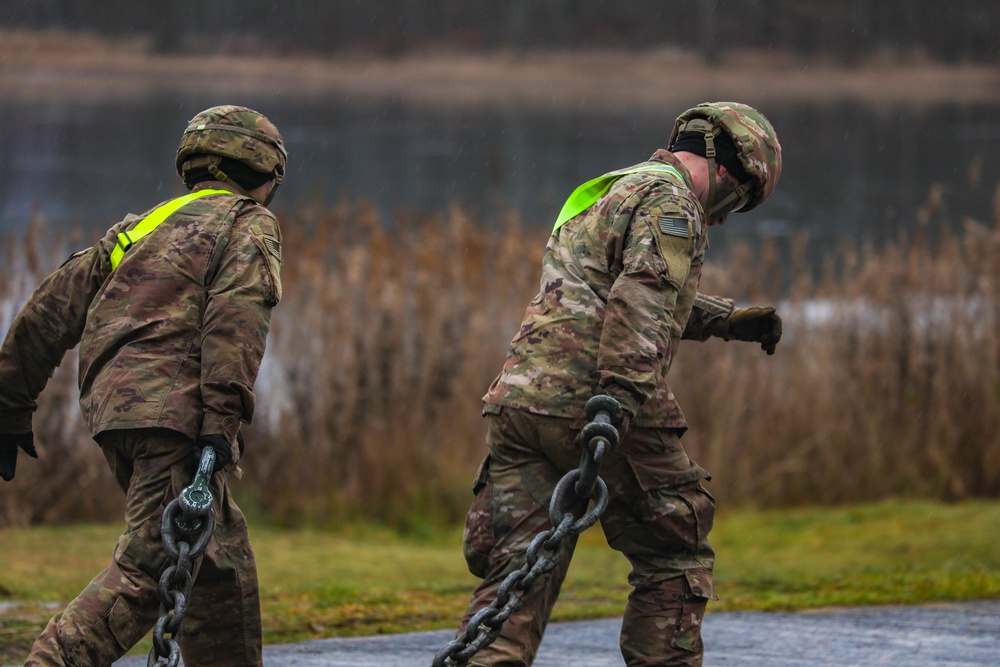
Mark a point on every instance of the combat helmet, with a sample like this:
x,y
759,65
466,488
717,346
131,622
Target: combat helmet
x,y
237,133
757,147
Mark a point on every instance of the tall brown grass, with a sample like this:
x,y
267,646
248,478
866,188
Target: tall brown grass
x,y
887,383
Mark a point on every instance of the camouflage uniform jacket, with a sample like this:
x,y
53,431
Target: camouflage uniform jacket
x,y
618,287
172,338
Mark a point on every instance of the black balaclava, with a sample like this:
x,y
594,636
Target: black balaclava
x,y
233,170
725,151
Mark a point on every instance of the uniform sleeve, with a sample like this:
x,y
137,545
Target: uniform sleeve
x,y
244,289
49,324
709,317
657,256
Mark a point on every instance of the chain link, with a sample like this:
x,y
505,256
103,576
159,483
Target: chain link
x,y
570,497
190,515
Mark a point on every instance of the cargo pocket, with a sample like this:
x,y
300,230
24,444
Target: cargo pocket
x,y
478,538
270,266
700,589
123,625
675,506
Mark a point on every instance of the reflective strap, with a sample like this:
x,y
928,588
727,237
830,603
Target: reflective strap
x,y
153,220
588,193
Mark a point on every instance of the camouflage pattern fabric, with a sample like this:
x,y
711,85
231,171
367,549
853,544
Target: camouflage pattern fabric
x,y
222,622
659,517
618,293
617,290
170,345
710,317
234,132
157,348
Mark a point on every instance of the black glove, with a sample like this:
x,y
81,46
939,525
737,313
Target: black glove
x,y
223,450
757,325
9,445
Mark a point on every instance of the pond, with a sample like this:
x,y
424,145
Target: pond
x,y
853,172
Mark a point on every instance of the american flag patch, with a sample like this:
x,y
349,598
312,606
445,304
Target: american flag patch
x,y
273,246
673,226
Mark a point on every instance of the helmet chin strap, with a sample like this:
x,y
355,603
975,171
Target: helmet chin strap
x,y
717,209
729,203
274,188
710,156
270,195
213,169
211,163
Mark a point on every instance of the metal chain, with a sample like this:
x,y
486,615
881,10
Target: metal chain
x,y
190,515
570,496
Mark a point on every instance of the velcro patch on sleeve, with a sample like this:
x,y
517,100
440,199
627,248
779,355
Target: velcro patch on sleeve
x,y
674,226
273,247
675,240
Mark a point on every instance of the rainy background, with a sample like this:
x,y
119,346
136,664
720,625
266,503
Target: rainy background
x,y
432,143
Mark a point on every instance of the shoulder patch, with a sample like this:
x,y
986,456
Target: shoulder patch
x,y
674,226
273,246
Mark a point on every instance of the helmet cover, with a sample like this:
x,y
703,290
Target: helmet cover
x,y
234,132
756,143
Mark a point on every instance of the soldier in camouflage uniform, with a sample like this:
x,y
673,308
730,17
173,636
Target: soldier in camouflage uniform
x,y
171,320
618,293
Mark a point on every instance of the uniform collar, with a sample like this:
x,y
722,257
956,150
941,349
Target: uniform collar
x,y
664,156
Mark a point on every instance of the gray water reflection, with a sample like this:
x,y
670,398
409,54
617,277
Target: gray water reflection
x,y
852,172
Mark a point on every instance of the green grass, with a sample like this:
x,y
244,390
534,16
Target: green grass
x,y
364,580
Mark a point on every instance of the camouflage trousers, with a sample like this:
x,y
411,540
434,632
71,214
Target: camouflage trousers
x,y
222,623
659,517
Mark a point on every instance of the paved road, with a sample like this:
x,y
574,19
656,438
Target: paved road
x,y
946,635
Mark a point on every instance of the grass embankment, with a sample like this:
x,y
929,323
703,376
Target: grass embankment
x,y
363,581
66,64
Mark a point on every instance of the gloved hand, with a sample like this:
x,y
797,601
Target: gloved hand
x,y
223,450
758,325
9,444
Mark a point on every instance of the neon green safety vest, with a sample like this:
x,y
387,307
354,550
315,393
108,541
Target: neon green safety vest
x,y
588,193
153,220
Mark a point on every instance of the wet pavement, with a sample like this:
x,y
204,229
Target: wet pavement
x,y
944,635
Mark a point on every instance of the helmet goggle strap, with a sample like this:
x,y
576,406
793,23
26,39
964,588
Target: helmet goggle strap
x,y
259,136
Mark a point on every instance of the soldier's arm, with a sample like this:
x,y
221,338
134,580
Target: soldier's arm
x,y
709,317
245,287
640,309
718,317
49,324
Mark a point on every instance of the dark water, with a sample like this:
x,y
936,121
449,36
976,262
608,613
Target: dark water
x,y
852,172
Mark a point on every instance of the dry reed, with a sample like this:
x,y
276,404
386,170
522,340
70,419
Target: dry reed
x,y
886,384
